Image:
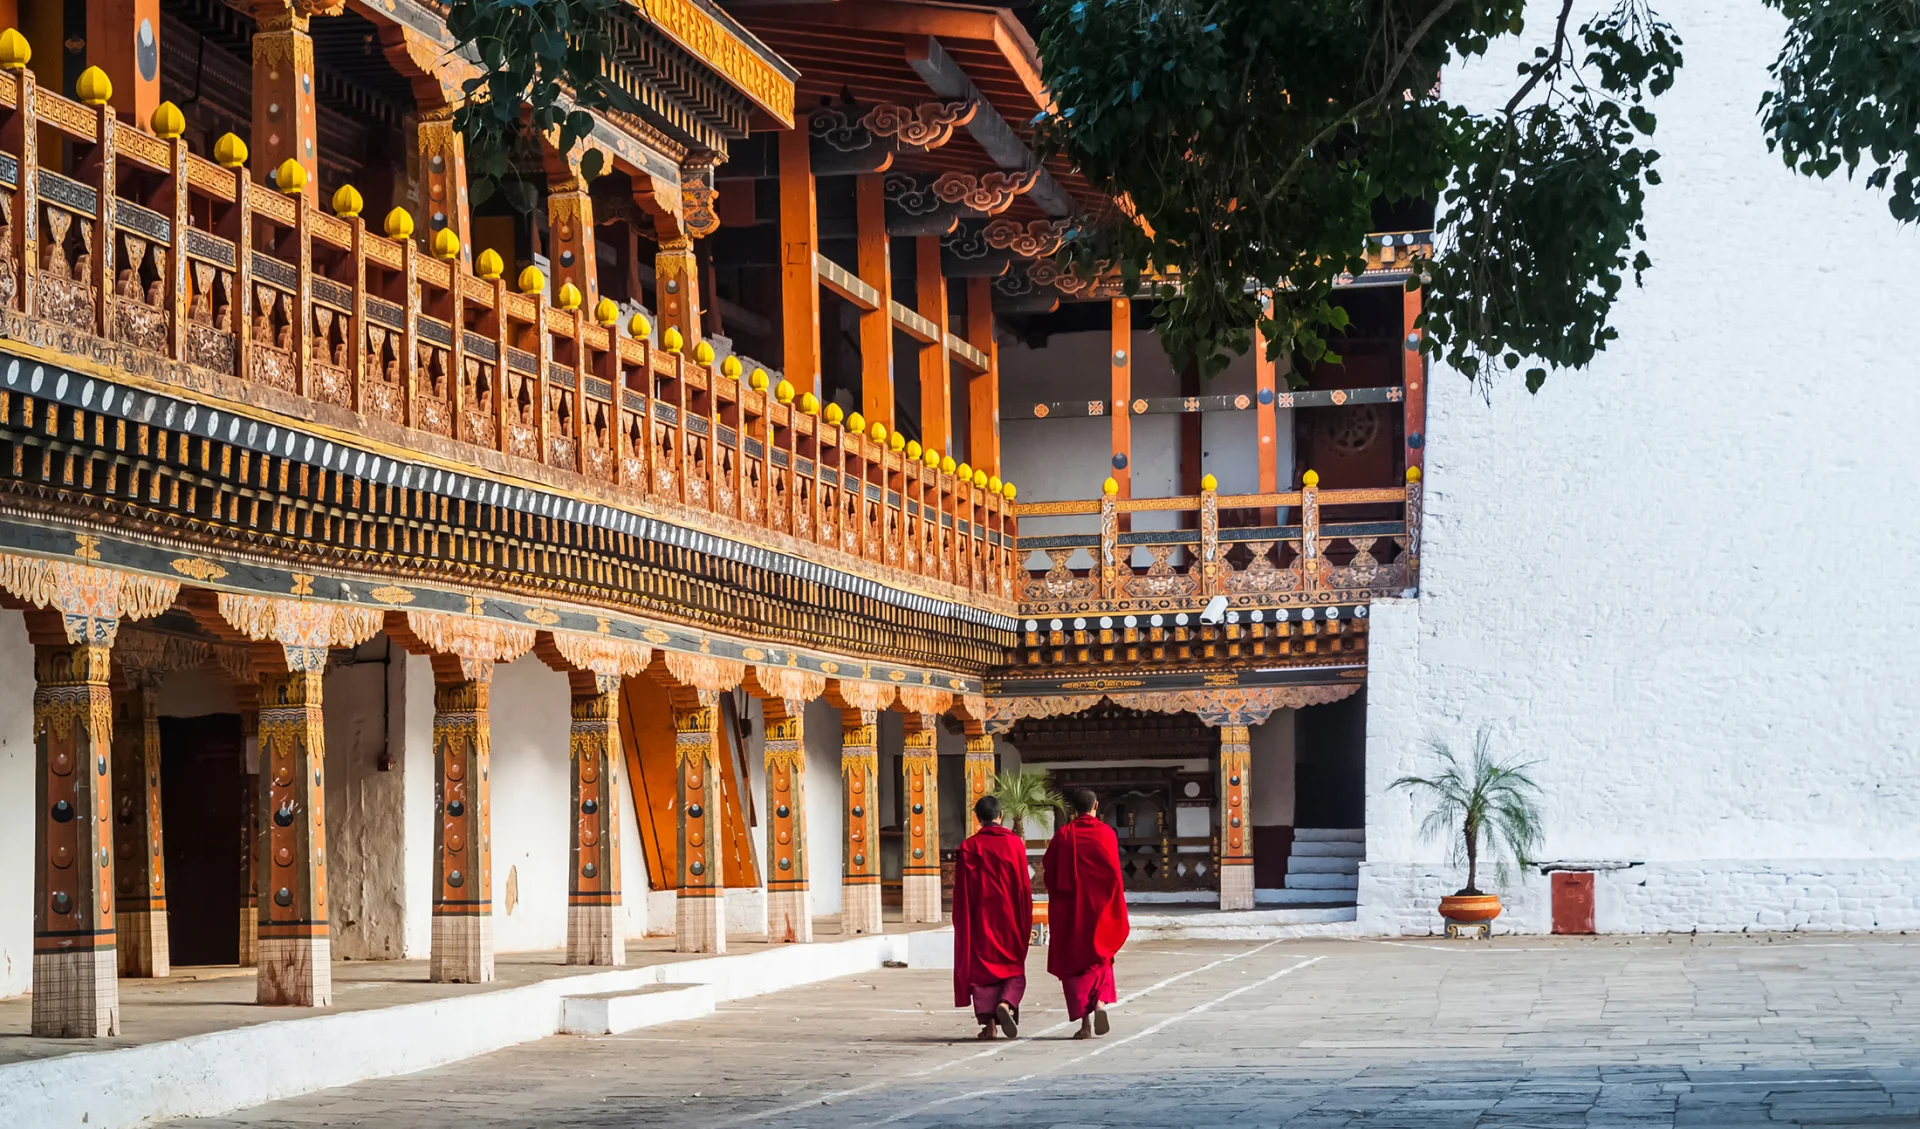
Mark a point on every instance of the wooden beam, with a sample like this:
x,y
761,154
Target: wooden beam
x,y
1120,361
876,324
946,78
963,351
983,388
913,325
936,379
799,257
845,283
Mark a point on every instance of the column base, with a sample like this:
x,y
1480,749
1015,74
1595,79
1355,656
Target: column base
x,y
920,898
790,916
295,971
249,936
595,935
76,995
141,937
700,922
860,909
1236,887
462,949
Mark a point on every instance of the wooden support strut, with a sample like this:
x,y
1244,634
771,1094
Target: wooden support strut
x,y
876,325
983,388
936,380
799,281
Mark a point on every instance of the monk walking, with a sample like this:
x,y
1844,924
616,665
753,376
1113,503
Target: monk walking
x,y
1086,912
992,919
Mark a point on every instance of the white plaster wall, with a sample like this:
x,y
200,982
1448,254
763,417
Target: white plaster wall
x,y
532,803
16,805
826,822
1682,582
410,738
365,812
1270,751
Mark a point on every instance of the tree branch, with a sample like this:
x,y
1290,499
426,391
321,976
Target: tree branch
x,y
1552,64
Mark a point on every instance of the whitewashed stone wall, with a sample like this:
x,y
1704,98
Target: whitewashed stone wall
x,y
1683,582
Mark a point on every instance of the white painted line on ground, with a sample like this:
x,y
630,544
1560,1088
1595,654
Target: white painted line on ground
x,y
999,1046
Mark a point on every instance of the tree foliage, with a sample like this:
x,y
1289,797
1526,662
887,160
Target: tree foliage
x,y
1024,795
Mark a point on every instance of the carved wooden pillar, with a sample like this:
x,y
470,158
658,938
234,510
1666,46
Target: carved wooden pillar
x,y
596,933
799,245
789,897
979,767
295,948
76,992
1236,830
285,124
443,166
920,776
123,39
859,776
700,913
139,860
676,281
462,944
570,223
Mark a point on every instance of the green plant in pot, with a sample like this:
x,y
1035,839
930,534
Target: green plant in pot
x,y
1488,810
1026,794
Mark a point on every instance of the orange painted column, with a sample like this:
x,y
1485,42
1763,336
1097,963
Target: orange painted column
x,y
876,326
296,949
1413,373
139,853
571,246
860,856
284,119
789,896
443,164
936,381
983,388
1121,360
123,39
700,913
596,929
1265,414
920,776
1236,823
799,280
980,765
461,949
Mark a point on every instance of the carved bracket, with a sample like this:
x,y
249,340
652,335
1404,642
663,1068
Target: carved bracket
x,y
989,195
926,126
91,600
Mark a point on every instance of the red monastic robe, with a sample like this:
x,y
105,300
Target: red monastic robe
x,y
992,911
1086,901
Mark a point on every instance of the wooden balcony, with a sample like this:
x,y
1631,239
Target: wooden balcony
x,y
161,267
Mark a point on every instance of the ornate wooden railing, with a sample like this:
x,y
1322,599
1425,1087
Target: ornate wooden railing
x,y
1337,549
128,251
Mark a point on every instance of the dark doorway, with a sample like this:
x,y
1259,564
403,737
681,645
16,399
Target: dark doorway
x,y
1330,764
201,769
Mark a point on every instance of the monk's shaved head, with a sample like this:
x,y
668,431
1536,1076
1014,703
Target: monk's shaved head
x,y
1083,800
986,809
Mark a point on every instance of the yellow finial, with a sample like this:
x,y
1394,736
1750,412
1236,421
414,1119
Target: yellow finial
x,y
1110,487
1010,491
488,265
783,391
994,484
964,471
167,120
730,367
672,339
897,442
15,51
757,380
932,458
703,353
230,152
1413,474
290,178
640,327
913,449
809,403
569,296
399,224
877,432
531,281
946,464
1310,479
446,244
834,414
94,87
347,202
1209,483
980,479
857,424
606,312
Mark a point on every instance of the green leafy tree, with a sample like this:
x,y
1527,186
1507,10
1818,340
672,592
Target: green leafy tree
x,y
1482,807
1026,794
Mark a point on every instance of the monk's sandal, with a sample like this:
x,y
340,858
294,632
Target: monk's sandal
x,y
1008,1025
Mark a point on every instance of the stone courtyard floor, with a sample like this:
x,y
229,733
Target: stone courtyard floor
x,y
1546,1032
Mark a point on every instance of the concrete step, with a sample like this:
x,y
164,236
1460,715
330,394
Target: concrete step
x,y
1329,848
610,1013
1348,882
1291,897
1329,835
1288,915
1323,864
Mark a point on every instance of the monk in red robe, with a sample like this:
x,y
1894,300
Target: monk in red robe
x,y
1086,912
992,920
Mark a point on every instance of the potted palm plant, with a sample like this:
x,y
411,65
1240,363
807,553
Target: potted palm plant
x,y
1026,794
1489,811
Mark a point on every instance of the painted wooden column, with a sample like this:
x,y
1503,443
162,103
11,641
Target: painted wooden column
x,y
789,897
983,388
860,785
285,124
936,377
123,39
676,287
920,777
700,913
876,325
596,933
76,990
1266,375
980,765
799,244
1413,374
462,942
1120,359
571,245
295,951
443,166
139,880
1236,829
